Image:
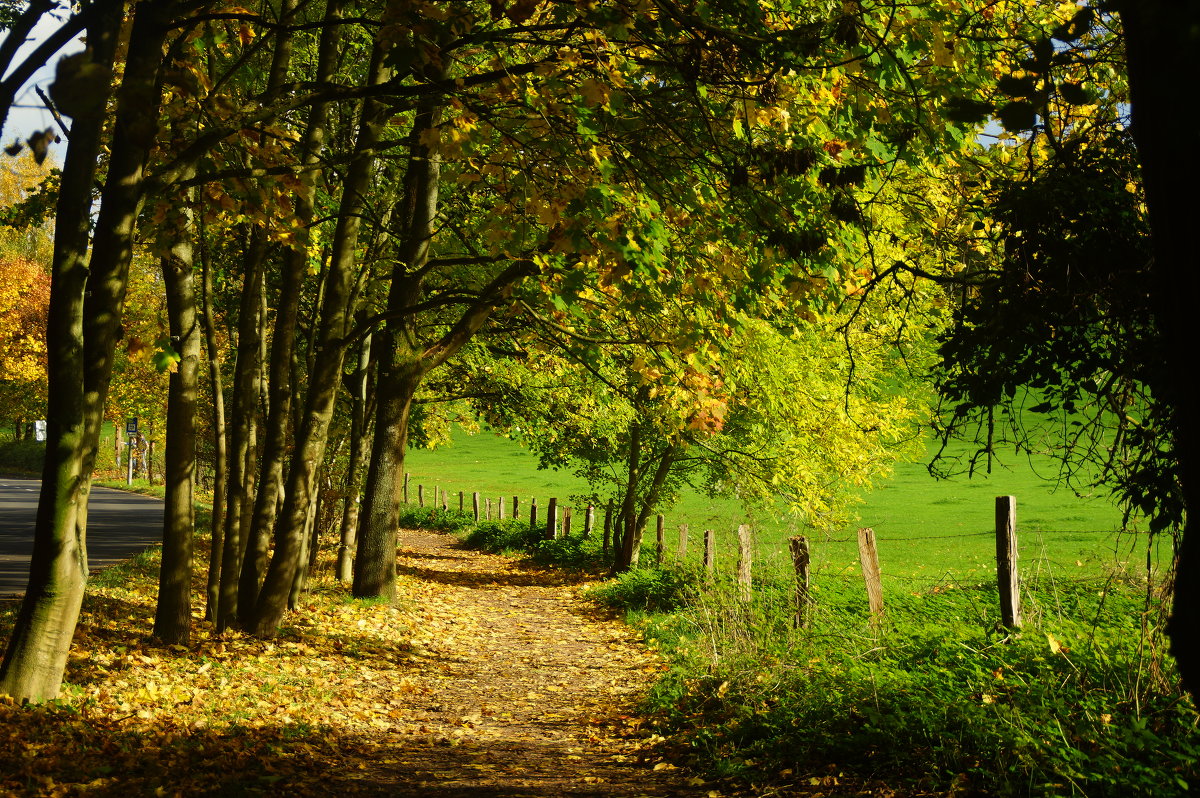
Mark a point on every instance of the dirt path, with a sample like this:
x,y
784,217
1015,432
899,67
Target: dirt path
x,y
527,689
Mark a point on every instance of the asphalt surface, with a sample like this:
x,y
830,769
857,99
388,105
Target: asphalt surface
x,y
120,525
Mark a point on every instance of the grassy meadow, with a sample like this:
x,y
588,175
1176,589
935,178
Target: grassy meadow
x,y
927,529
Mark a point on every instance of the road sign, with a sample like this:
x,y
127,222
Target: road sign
x,y
131,426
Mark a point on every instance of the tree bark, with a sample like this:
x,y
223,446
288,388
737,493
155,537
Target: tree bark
x,y
627,554
283,341
241,438
359,446
325,377
41,638
173,615
220,461
1162,42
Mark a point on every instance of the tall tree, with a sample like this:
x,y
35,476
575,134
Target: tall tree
x,y
37,650
1162,40
173,614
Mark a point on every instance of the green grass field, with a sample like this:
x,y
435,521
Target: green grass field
x,y
927,529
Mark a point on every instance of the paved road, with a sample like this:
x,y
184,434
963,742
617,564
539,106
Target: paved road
x,y
120,525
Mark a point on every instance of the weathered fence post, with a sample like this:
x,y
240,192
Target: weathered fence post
x,y
406,487
745,551
799,547
589,521
462,499
1006,561
533,515
710,553
552,519
660,540
683,541
420,495
475,505
868,556
445,500
566,522
500,509
516,508
488,510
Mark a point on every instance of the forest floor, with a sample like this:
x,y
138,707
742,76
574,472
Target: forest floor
x,y
486,677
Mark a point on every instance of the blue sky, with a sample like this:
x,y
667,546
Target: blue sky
x,y
28,113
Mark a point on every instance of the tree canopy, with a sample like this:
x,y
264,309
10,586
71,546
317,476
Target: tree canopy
x,y
716,220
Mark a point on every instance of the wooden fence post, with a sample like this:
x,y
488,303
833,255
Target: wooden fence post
x,y
533,515
683,541
500,509
552,519
660,541
799,547
406,487
710,553
566,532
445,500
868,556
1006,561
488,508
516,508
475,505
420,495
462,499
744,556
589,521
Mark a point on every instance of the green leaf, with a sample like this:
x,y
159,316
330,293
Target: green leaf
x,y
166,358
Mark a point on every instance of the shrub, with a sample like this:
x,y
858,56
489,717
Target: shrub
x,y
663,588
497,536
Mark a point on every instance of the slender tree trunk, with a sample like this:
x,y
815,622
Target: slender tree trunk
x,y
173,616
283,342
654,492
325,376
220,461
1162,42
307,554
631,538
241,455
635,518
359,446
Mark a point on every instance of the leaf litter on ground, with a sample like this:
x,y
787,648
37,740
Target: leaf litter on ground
x,y
485,677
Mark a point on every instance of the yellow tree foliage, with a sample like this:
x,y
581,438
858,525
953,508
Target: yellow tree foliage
x,y
25,247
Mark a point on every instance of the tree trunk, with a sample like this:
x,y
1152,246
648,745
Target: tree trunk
x,y
41,638
283,341
631,538
375,558
1162,42
325,377
173,616
220,461
241,446
358,449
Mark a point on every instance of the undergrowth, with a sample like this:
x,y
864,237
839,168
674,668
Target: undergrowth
x,y
1082,700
